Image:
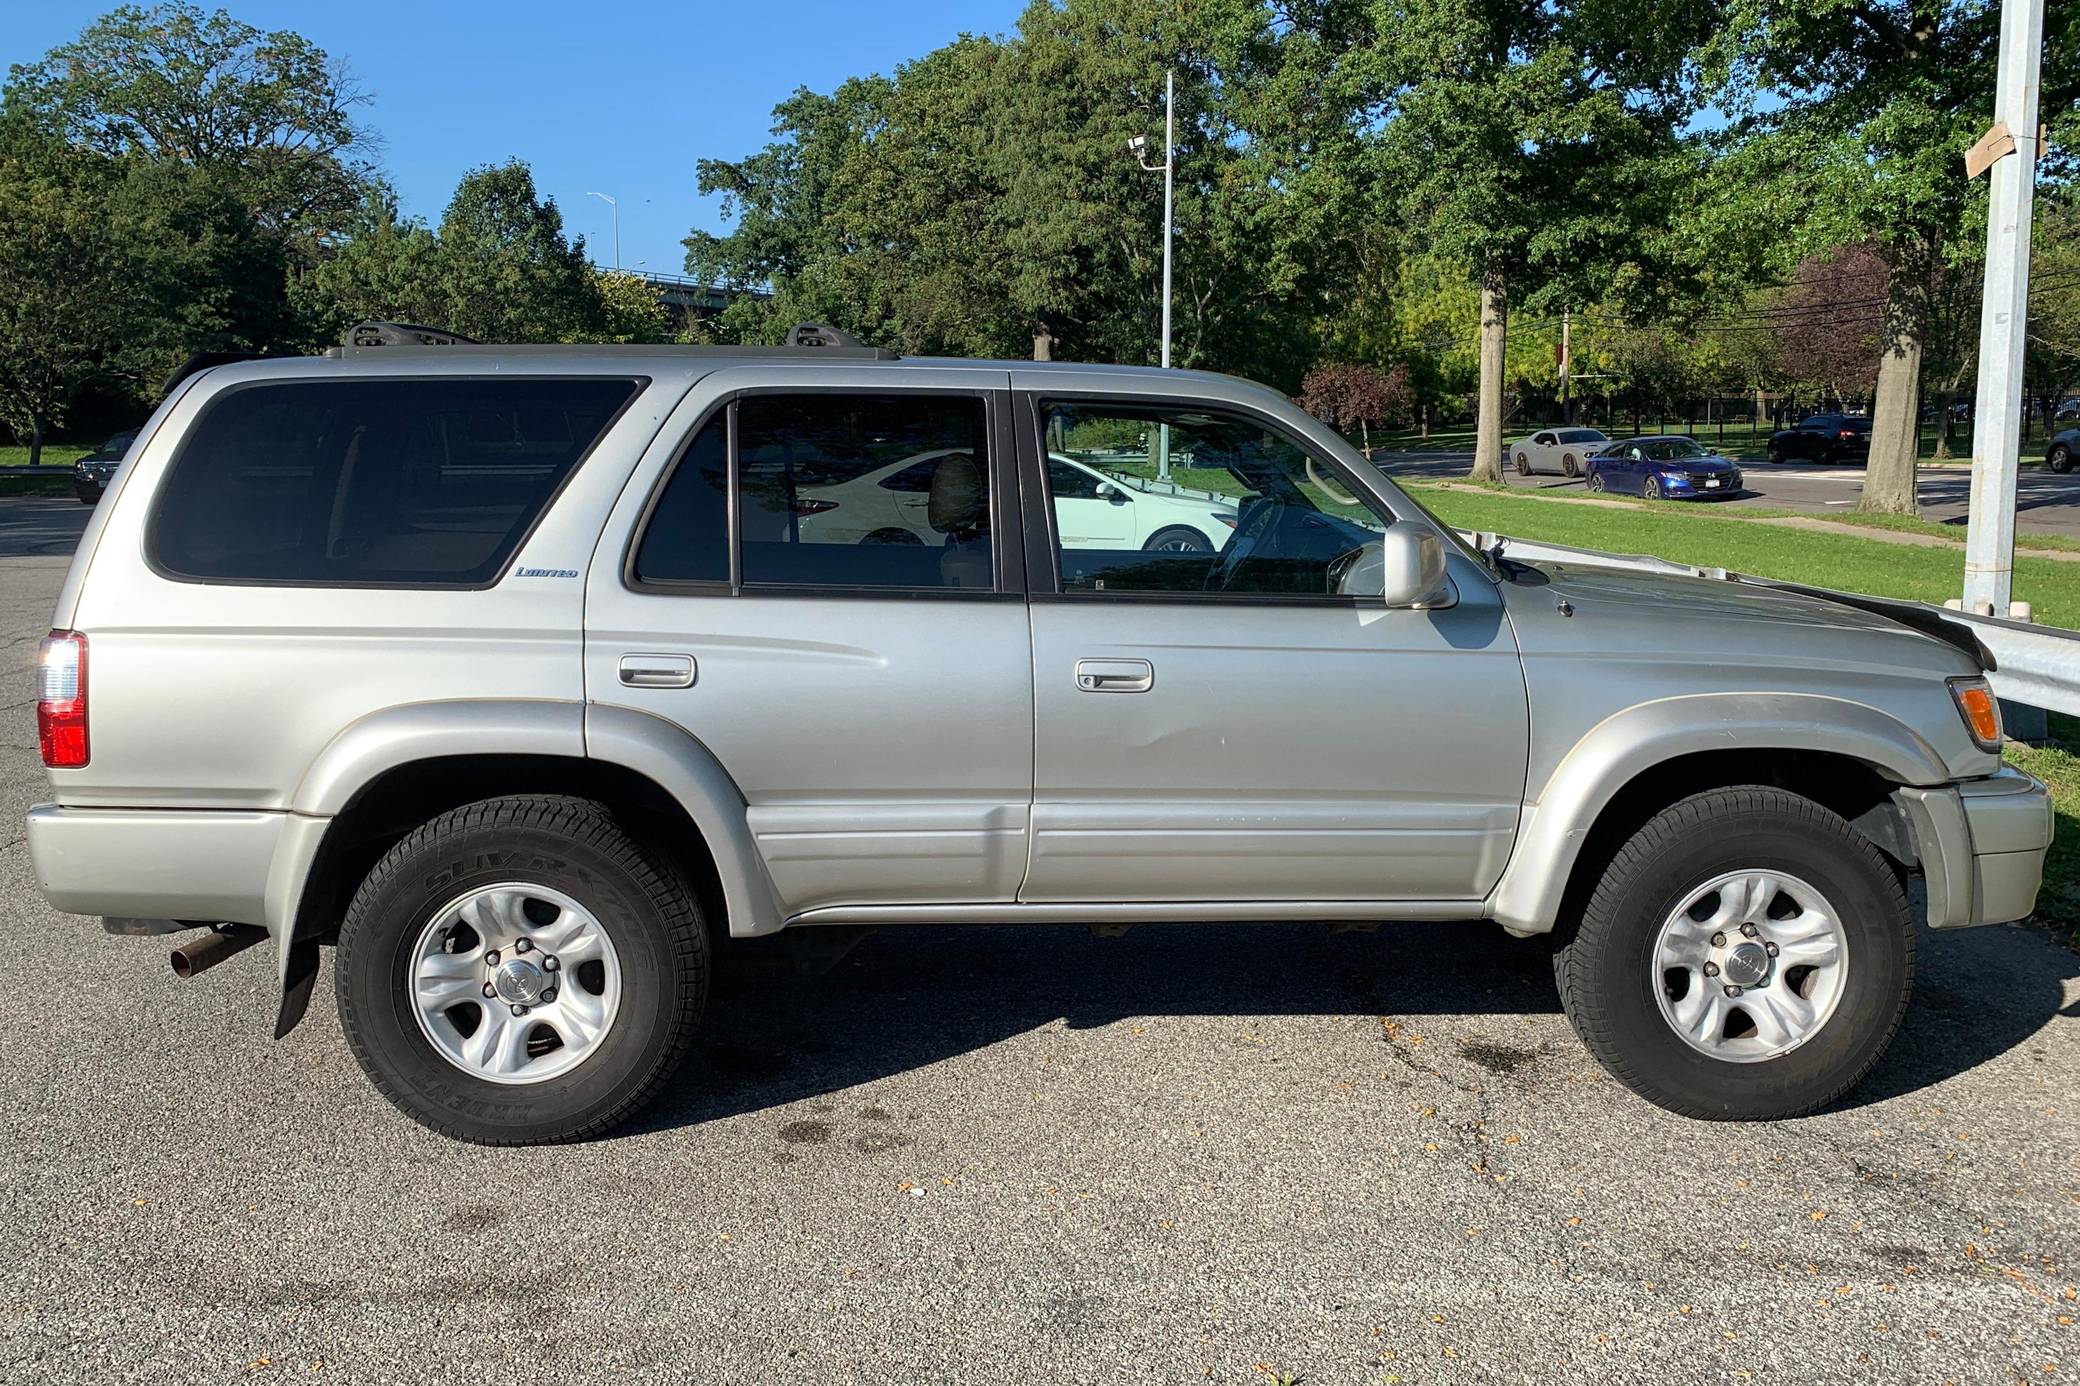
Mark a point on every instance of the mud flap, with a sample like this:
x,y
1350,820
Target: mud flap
x,y
300,979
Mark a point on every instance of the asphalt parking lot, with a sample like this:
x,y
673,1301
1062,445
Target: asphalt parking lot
x,y
2045,502
1021,1155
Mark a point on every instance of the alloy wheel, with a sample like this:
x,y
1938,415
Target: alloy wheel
x,y
514,982
1750,965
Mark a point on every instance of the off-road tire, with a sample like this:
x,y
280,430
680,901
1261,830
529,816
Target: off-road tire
x,y
1606,974
576,847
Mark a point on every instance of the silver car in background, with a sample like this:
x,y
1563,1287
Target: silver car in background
x,y
525,677
1563,450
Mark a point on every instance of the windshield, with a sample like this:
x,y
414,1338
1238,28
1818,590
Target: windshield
x,y
1673,449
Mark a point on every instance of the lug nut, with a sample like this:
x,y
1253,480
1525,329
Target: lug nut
x,y
522,946
1731,990
549,963
548,994
1718,940
491,958
1711,969
519,1010
1749,931
489,991
1772,949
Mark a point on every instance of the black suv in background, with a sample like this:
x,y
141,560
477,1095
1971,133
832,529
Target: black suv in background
x,y
1822,438
91,473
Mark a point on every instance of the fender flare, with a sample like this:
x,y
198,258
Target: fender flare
x,y
396,736
1526,900
686,769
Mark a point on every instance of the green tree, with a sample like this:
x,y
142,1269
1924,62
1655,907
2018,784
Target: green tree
x,y
62,290
172,82
1534,143
499,269
1865,110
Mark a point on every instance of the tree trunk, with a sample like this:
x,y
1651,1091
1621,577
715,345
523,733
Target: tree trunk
x,y
1888,478
1943,399
1365,433
1487,435
36,442
1426,419
1043,344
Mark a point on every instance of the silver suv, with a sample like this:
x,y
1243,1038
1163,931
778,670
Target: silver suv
x,y
524,675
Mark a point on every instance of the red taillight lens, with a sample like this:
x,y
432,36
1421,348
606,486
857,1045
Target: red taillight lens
x,y
1846,434
61,699
804,506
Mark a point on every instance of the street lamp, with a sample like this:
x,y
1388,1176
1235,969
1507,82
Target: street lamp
x,y
617,224
1138,146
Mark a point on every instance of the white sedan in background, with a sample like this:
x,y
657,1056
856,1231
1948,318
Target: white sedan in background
x,y
1093,510
1563,450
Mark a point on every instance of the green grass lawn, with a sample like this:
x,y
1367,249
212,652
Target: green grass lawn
x,y
1821,559
2056,764
55,455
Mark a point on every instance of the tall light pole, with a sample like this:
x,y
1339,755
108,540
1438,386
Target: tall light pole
x,y
617,224
1168,168
2010,151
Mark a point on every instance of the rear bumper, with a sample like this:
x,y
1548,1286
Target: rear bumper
x,y
1982,845
204,865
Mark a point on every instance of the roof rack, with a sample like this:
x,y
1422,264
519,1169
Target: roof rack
x,y
803,339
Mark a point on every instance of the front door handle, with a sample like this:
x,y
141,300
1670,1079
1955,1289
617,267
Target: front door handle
x,y
657,670
1115,675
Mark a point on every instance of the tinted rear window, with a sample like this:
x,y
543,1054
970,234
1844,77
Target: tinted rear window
x,y
370,482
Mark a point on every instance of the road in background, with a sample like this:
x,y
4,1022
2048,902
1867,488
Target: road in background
x,y
1019,1154
2046,503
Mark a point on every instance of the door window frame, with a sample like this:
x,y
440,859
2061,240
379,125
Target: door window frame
x,y
1007,530
1043,578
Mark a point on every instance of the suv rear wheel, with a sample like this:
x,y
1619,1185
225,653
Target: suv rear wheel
x,y
1748,955
520,971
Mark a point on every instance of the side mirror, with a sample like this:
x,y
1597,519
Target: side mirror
x,y
1411,560
1112,493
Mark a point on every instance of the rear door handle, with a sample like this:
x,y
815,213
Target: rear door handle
x,y
1115,675
657,670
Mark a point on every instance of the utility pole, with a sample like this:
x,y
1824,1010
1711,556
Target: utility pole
x,y
2010,150
617,224
1566,363
1168,169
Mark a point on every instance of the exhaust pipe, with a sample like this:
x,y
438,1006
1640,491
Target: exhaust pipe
x,y
198,956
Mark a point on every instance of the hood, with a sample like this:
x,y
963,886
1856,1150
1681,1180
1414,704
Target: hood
x,y
1755,625
1713,463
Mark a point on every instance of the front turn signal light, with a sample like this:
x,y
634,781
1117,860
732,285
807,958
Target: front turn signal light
x,y
1981,711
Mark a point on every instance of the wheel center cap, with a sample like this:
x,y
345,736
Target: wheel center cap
x,y
519,982
1746,964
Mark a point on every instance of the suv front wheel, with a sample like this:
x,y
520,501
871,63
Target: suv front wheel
x,y
520,971
1748,955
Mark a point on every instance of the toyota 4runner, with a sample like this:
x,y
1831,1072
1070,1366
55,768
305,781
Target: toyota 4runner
x,y
522,675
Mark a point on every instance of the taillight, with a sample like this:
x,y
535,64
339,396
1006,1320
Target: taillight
x,y
804,506
1846,434
61,699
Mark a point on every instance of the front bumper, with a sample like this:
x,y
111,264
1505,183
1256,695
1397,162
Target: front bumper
x,y
1981,844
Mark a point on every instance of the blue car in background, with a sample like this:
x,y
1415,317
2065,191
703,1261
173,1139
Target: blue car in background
x,y
1664,467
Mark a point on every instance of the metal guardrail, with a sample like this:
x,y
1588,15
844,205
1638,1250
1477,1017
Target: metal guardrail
x,y
2038,665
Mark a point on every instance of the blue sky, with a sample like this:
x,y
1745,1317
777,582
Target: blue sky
x,y
619,99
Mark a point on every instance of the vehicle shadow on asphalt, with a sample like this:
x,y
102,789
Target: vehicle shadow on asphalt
x,y
907,998
33,527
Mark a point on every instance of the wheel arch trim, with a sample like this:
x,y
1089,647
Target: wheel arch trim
x,y
1628,744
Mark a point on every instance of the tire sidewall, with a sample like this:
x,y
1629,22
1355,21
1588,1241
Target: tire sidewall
x,y
375,961
1879,957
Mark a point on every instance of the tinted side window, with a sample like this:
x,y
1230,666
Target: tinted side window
x,y
408,482
687,539
812,507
